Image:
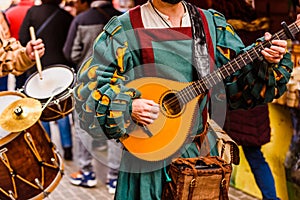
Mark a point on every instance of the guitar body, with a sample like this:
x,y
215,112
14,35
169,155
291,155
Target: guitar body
x,y
170,130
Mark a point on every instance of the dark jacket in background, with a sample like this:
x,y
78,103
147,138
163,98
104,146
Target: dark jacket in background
x,y
84,29
54,34
249,127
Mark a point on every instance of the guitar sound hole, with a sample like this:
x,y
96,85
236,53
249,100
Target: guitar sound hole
x,y
171,104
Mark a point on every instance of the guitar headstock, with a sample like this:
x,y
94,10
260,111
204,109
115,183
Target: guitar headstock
x,y
291,30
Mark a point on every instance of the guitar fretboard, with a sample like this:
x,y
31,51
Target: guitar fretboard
x,y
210,80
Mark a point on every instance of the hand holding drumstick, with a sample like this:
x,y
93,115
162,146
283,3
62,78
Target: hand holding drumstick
x,y
36,45
35,49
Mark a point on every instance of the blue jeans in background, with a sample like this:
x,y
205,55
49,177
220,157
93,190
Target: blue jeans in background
x,y
64,127
3,83
261,171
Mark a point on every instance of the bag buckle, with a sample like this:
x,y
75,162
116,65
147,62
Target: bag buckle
x,y
193,183
223,183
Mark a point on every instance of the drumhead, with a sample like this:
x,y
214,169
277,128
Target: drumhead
x,y
55,80
6,98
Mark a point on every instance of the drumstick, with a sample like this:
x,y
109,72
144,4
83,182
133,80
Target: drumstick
x,y
54,92
36,54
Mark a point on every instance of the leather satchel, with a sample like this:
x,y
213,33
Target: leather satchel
x,y
198,179
203,177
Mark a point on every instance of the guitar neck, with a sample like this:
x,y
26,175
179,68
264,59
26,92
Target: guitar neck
x,y
204,84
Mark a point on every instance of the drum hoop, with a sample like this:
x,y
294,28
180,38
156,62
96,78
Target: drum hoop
x,y
16,93
12,135
65,95
55,181
8,138
48,67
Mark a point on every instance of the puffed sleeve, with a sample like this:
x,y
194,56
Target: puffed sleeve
x,y
13,57
256,83
103,102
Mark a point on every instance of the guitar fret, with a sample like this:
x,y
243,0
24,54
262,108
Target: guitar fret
x,y
194,89
243,60
256,52
188,95
231,67
218,75
225,67
203,89
182,97
296,27
260,47
204,82
207,81
292,29
221,75
212,77
238,65
183,94
249,56
197,88
270,43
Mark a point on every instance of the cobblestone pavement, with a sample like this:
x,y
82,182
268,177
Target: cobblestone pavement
x,y
66,191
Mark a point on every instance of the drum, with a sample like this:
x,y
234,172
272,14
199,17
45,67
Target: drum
x,y
30,167
54,91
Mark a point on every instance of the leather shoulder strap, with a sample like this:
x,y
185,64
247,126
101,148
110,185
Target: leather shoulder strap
x,y
41,28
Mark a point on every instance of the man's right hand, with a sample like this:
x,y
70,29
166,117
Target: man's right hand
x,y
144,111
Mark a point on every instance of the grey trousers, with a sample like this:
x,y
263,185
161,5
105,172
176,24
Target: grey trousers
x,y
84,156
83,147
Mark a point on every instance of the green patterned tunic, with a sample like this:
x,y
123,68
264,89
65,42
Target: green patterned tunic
x,y
104,102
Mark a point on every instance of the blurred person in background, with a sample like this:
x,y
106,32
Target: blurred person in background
x,y
253,129
84,29
123,5
292,160
21,58
6,34
15,15
54,35
69,5
13,3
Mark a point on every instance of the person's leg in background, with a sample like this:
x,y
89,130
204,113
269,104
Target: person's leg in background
x,y
114,155
64,127
292,160
3,83
65,135
20,81
85,176
46,126
261,171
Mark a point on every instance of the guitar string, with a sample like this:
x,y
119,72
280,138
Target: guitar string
x,y
174,100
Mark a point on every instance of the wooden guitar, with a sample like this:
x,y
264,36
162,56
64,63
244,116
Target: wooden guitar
x,y
179,104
